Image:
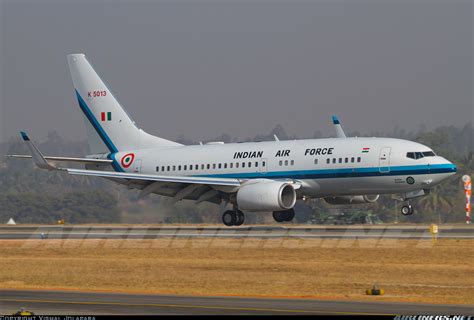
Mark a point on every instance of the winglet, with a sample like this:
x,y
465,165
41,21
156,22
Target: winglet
x,y
24,136
337,125
37,156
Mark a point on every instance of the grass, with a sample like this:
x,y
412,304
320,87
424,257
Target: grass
x,y
408,270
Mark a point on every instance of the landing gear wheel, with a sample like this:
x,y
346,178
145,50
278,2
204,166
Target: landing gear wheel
x,y
289,214
229,218
407,210
240,218
279,216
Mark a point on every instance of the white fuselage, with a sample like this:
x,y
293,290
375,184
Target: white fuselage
x,y
323,167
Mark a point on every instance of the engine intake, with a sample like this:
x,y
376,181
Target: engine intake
x,y
370,198
266,196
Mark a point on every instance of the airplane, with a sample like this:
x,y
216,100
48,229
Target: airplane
x,y
268,176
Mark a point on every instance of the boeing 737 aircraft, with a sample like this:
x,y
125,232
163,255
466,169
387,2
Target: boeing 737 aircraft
x,y
256,176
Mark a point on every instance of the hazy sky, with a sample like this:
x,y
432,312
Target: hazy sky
x,y
204,68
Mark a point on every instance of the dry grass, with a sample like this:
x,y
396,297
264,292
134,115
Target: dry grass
x,y
408,270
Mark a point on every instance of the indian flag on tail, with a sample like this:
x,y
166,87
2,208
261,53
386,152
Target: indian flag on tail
x,y
106,116
365,150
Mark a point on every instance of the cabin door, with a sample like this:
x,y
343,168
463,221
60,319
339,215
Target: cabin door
x,y
384,159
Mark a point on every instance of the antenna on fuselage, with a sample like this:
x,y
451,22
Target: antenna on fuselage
x,y
275,137
337,125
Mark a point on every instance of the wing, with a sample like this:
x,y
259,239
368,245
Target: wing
x,y
179,187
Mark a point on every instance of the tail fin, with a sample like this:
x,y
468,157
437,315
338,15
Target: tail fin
x,y
109,127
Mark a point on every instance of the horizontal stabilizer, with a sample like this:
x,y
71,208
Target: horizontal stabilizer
x,y
64,159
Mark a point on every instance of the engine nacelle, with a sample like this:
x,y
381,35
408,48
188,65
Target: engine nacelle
x,y
266,196
352,199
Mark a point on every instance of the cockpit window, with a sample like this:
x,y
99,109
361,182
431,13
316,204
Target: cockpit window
x,y
429,154
419,155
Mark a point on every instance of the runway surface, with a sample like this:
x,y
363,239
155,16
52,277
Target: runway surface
x,y
67,302
143,232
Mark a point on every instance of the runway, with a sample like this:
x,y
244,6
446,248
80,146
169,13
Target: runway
x,y
67,302
143,232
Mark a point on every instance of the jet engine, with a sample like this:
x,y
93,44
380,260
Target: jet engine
x,y
352,199
266,196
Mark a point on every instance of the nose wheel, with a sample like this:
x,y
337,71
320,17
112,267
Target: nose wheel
x,y
233,218
407,210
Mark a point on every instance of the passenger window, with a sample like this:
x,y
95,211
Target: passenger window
x,y
358,159
157,169
346,160
208,166
174,168
231,164
179,168
315,161
328,161
225,165
281,163
185,167
243,164
196,167
250,164
168,168
334,160
263,163
292,162
352,159
286,162
340,160
213,166
256,164
202,167
236,164
220,165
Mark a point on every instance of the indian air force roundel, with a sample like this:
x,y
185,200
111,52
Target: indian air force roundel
x,y
127,160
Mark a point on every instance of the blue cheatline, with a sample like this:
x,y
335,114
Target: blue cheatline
x,y
341,173
102,134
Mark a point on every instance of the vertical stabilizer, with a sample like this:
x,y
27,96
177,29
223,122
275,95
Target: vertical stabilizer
x,y
109,127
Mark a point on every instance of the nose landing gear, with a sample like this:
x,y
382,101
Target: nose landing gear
x,y
407,209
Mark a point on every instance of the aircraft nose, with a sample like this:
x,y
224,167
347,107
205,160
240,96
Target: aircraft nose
x,y
451,166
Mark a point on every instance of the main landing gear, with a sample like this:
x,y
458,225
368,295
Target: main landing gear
x,y
282,216
407,209
233,218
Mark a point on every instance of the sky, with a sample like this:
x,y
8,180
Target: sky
x,y
200,69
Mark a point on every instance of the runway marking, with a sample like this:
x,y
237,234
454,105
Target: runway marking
x,y
250,235
189,306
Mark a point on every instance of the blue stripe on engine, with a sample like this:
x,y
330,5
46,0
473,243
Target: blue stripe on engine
x,y
100,131
342,173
